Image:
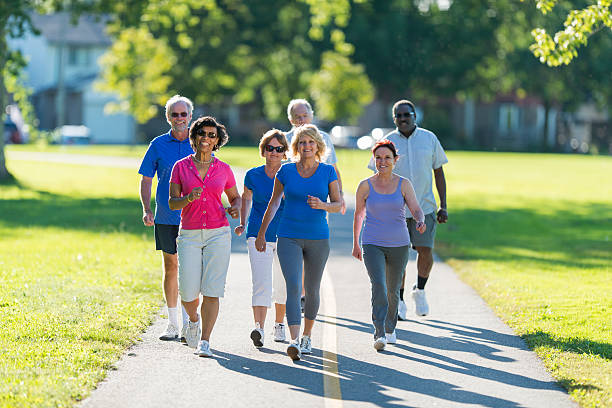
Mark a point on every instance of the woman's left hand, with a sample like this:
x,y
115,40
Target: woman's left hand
x,y
233,212
239,230
315,203
421,227
357,252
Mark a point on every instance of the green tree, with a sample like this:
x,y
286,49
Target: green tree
x,y
135,69
230,52
580,25
14,23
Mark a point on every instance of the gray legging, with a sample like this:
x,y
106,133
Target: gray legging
x,y
386,266
292,254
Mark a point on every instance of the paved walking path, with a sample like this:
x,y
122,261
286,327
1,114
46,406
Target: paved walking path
x,y
461,355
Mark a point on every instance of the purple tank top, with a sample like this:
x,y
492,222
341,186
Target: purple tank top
x,y
385,220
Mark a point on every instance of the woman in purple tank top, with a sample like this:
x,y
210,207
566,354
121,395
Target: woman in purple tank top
x,y
381,200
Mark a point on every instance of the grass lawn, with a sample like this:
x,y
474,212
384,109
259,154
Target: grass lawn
x,y
80,280
531,233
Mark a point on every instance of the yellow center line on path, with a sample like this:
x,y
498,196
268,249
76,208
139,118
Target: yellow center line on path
x,y
332,393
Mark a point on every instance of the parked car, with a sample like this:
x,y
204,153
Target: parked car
x,y
12,133
74,135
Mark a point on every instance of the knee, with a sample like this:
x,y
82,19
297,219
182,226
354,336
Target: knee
x,y
425,252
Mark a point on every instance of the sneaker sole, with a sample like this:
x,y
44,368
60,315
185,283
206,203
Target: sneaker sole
x,y
379,346
256,337
168,338
293,353
205,355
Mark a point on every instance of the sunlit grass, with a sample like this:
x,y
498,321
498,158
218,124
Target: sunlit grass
x,y
80,280
531,233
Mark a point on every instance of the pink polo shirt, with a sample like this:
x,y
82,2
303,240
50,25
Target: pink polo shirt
x,y
207,212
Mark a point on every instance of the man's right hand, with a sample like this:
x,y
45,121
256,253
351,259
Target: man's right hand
x,y
147,218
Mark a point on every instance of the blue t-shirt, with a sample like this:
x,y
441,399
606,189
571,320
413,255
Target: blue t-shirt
x,y
298,219
160,157
261,185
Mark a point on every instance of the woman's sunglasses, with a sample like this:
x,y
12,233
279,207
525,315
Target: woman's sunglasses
x,y
202,132
279,149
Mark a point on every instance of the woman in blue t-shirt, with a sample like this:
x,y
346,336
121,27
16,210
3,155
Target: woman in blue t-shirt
x,y
381,199
303,233
265,273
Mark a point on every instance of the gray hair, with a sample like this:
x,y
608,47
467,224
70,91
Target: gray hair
x,y
298,102
176,99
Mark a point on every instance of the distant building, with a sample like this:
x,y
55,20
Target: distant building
x,y
74,71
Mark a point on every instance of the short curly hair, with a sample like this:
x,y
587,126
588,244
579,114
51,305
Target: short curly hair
x,y
272,134
385,143
203,121
313,132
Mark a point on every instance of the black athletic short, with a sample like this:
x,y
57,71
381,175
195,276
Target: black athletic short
x,y
165,238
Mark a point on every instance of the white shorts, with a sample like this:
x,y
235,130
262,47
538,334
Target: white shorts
x,y
266,274
203,260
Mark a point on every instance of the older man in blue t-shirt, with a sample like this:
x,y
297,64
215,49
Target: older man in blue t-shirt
x,y
163,152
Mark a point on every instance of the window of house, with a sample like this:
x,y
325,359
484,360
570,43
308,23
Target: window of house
x,y
79,56
508,118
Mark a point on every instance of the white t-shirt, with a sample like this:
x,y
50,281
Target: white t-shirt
x,y
331,152
419,155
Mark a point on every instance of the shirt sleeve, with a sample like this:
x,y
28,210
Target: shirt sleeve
x,y
248,180
175,176
230,180
439,155
281,175
332,174
148,167
331,151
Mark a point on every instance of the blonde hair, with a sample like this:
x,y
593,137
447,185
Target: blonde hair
x,y
313,132
268,136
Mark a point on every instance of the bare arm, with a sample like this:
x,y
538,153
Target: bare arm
x,y
235,202
335,199
247,199
145,200
360,204
413,205
273,204
343,204
441,187
176,202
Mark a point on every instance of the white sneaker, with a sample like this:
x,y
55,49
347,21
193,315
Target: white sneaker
x,y
279,332
421,308
257,336
204,349
184,332
391,337
171,333
306,345
380,343
193,334
294,352
402,309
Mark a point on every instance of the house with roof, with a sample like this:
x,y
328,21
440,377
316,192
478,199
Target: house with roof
x,y
62,68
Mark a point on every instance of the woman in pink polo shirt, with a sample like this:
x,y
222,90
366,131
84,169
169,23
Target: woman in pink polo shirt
x,y
204,240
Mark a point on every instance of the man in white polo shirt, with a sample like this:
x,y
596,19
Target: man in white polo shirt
x,y
420,154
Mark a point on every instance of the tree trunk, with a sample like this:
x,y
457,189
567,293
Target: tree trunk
x,y
4,174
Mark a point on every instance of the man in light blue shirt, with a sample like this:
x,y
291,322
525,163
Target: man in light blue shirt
x,y
163,152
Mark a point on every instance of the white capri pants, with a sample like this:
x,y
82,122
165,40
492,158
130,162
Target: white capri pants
x,y
266,274
203,260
